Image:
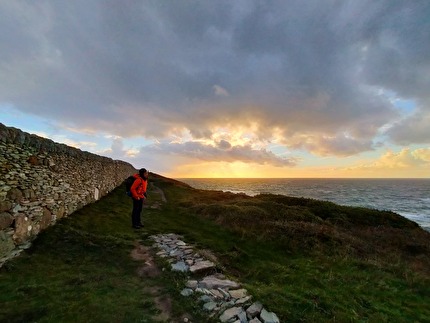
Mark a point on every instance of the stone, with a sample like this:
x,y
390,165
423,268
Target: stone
x,y
268,317
5,206
221,295
230,314
216,293
192,284
219,276
202,266
225,294
17,208
243,300
209,306
46,218
204,291
5,188
180,266
238,293
33,160
28,193
206,298
14,195
21,229
49,200
212,282
5,220
242,317
225,305
60,212
254,309
165,247
186,292
2,197
175,253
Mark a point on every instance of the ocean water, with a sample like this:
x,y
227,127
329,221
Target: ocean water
x,y
407,197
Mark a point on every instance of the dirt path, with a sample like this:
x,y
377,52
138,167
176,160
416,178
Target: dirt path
x,y
148,270
159,191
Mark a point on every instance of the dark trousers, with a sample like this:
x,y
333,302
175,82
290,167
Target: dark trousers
x,y
135,214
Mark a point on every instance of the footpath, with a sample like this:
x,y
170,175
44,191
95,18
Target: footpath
x,y
218,295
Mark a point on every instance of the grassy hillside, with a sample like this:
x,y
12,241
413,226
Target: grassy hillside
x,y
305,260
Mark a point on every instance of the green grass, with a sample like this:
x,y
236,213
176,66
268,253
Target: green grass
x,y
80,270
71,275
306,260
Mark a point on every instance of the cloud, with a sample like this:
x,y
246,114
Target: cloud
x,y
414,129
155,69
422,154
80,144
220,91
220,152
406,159
338,145
223,144
117,150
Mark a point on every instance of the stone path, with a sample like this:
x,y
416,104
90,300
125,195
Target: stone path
x,y
218,295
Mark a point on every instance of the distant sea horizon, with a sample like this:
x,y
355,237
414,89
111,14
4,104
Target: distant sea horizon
x,y
409,197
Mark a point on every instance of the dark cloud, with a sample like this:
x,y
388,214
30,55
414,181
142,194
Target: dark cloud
x,y
414,129
150,68
397,53
224,144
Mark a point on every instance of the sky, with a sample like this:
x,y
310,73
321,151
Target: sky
x,y
225,88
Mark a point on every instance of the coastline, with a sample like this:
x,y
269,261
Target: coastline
x,y
408,197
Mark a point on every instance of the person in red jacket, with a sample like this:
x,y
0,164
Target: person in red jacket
x,y
138,194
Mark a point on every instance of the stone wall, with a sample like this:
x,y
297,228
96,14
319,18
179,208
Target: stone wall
x,y
42,181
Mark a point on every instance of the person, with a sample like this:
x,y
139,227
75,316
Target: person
x,y
138,194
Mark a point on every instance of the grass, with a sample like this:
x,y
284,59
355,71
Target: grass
x,y
80,270
306,260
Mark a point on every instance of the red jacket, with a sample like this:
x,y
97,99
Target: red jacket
x,y
138,189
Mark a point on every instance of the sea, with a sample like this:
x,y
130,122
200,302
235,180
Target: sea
x,y
407,197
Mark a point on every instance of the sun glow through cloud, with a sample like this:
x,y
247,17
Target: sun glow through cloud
x,y
235,90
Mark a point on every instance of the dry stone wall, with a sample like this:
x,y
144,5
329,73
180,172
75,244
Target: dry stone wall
x,y
42,181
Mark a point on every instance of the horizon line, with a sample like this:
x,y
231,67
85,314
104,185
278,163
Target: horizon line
x,y
397,178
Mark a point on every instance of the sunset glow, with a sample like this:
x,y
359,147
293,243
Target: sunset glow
x,y
235,89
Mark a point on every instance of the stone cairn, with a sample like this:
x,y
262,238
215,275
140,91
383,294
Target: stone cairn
x,y
219,296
